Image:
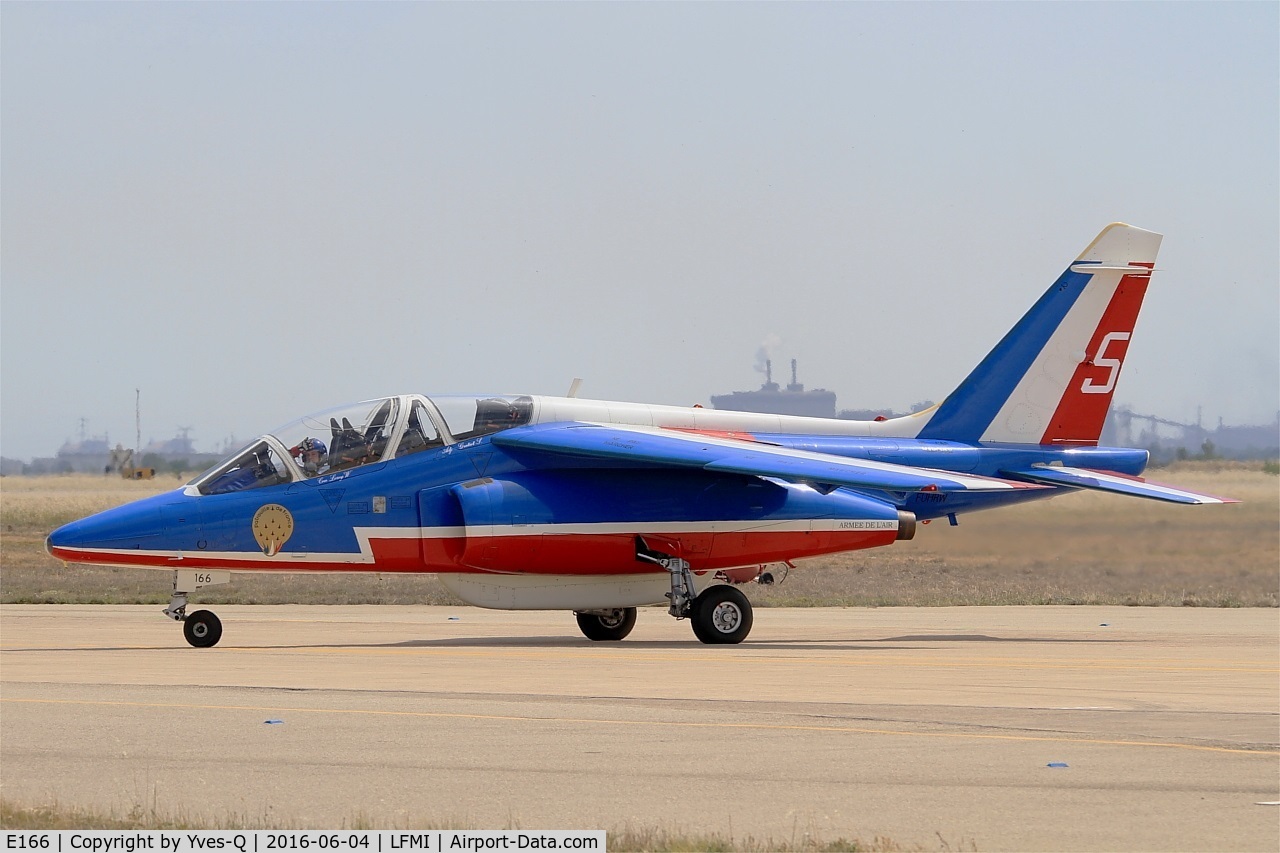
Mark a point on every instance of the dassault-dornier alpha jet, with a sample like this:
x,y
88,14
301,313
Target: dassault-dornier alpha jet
x,y
559,503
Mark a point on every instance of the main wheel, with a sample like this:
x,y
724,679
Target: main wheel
x,y
721,614
202,629
607,624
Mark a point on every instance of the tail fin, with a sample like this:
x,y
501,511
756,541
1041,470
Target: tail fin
x,y
1050,380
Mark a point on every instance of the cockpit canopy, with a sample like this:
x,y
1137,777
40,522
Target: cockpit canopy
x,y
357,434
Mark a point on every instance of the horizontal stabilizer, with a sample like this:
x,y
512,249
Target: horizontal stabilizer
x,y
1109,481
675,448
1092,267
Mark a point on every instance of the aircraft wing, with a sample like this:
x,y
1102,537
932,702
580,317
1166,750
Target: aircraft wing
x,y
1109,481
690,449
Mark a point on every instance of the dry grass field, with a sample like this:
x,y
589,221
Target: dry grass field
x,y
1082,548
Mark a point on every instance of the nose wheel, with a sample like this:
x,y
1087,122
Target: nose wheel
x,y
202,629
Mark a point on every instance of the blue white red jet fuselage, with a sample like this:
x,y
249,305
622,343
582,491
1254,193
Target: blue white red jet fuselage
x,y
527,502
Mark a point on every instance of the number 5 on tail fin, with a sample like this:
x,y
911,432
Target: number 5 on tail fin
x,y
1051,379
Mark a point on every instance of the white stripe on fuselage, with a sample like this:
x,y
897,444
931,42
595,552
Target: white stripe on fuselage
x,y
365,535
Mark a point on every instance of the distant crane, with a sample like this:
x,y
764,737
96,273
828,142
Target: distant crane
x,y
123,459
1124,418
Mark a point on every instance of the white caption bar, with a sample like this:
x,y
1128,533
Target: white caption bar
x,y
269,841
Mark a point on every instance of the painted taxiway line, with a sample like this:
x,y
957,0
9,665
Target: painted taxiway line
x,y
724,656
1261,752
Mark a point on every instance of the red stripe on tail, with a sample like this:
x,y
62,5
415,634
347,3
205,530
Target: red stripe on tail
x,y
1083,407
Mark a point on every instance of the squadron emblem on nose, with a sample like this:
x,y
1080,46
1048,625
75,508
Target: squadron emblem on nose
x,y
272,527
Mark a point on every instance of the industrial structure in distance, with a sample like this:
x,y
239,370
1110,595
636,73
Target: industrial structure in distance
x,y
1167,439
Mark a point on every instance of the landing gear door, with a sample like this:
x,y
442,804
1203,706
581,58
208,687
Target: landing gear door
x,y
187,580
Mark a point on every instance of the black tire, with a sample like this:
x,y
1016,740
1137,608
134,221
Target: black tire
x,y
202,629
613,625
721,614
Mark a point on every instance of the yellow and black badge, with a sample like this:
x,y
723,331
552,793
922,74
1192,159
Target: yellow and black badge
x,y
272,527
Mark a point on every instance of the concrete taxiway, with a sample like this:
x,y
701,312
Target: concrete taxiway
x,y
1045,728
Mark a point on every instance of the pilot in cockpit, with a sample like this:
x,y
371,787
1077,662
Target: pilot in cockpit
x,y
311,455
494,414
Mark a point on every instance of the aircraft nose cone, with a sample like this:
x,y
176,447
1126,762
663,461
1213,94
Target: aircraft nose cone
x,y
59,538
70,535
130,527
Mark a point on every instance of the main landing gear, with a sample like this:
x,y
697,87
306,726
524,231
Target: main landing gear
x,y
201,629
719,614
606,624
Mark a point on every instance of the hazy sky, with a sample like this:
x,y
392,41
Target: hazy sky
x,y
251,211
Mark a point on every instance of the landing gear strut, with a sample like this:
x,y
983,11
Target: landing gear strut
x,y
719,614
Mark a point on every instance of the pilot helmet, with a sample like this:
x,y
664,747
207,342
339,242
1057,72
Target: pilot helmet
x,y
309,444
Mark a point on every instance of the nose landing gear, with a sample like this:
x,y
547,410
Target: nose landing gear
x,y
201,629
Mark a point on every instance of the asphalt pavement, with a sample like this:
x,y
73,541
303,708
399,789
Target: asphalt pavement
x,y
1004,728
